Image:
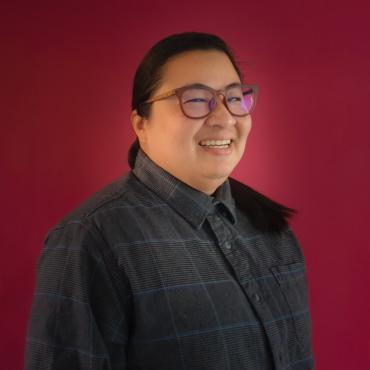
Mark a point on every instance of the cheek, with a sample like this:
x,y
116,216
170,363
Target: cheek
x,y
172,137
169,126
244,128
248,130
182,133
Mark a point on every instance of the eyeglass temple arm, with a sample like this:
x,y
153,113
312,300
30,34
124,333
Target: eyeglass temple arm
x,y
161,96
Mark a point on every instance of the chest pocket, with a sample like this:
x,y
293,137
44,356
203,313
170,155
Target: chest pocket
x,y
292,284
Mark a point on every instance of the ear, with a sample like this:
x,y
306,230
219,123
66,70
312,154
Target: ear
x,y
139,124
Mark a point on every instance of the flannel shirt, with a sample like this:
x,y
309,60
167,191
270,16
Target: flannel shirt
x,y
151,274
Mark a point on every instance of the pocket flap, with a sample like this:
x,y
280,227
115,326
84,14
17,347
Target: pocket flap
x,y
287,272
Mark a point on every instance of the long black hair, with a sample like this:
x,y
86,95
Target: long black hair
x,y
265,214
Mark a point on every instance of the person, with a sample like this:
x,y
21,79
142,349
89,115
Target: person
x,y
176,265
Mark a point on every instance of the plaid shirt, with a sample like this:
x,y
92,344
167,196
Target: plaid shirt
x,y
152,274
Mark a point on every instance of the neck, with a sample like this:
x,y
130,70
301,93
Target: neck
x,y
208,187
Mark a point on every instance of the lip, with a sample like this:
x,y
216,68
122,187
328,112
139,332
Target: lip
x,y
217,138
218,152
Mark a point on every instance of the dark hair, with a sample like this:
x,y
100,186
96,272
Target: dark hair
x,y
264,214
149,73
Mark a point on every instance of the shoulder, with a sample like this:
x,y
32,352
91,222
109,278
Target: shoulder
x,y
265,214
122,193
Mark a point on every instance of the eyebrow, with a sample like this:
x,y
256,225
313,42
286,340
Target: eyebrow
x,y
200,85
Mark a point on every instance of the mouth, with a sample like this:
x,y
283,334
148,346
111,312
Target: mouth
x,y
218,144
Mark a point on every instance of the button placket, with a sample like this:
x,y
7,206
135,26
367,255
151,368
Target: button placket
x,y
221,232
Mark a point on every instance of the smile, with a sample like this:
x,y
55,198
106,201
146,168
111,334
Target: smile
x,y
220,144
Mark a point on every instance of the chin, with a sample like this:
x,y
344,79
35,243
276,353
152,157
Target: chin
x,y
218,175
222,171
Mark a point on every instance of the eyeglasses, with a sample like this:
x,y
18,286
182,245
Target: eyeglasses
x,y
198,101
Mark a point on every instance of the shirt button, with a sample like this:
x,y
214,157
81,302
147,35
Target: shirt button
x,y
227,245
256,297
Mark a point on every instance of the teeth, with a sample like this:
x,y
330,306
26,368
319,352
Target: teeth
x,y
216,143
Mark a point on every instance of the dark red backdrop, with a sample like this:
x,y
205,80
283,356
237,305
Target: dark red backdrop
x,y
66,74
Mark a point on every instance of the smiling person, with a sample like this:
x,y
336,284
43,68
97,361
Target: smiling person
x,y
176,265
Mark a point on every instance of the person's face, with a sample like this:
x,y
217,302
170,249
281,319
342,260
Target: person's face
x,y
176,142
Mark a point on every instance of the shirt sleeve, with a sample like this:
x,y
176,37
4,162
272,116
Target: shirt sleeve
x,y
80,312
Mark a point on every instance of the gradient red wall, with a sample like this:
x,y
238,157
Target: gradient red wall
x,y
66,73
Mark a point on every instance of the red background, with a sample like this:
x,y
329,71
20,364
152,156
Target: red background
x,y
66,73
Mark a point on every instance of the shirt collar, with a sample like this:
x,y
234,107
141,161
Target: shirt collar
x,y
192,204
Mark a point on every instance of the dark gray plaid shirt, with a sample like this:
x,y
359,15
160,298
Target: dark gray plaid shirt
x,y
150,274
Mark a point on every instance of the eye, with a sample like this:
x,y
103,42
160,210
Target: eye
x,y
196,100
234,98
248,92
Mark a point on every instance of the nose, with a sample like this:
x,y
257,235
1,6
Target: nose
x,y
220,115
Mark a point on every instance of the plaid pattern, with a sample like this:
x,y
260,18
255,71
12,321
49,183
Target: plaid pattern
x,y
152,274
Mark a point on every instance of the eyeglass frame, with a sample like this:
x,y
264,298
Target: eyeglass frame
x,y
180,90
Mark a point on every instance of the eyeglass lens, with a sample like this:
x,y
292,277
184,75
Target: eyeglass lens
x,y
198,102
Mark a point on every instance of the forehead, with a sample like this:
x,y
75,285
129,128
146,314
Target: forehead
x,y
209,67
